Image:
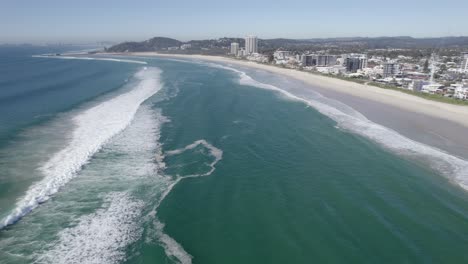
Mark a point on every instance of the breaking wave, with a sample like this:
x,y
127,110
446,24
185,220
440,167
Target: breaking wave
x,y
93,128
100,237
454,168
89,58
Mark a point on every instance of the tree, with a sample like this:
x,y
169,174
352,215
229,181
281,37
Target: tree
x,y
442,68
426,66
271,58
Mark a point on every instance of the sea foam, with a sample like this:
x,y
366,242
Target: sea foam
x,y
100,237
173,249
93,128
454,168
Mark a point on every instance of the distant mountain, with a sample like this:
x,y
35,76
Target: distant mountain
x,y
154,44
220,45
216,43
371,43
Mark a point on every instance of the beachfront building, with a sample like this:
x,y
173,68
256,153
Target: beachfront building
x,y
185,46
326,60
353,64
334,70
234,48
257,58
431,88
241,52
251,44
461,92
390,69
309,60
417,85
281,54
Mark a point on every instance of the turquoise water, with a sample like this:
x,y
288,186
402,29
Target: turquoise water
x,y
183,162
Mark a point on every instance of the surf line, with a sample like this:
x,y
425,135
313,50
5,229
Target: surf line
x,y
215,152
88,58
454,168
171,247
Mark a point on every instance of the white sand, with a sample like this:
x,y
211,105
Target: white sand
x,y
454,113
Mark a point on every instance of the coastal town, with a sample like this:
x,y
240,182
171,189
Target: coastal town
x,y
446,76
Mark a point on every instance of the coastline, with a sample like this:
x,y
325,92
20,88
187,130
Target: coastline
x,y
454,113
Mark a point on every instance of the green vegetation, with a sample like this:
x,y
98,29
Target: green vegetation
x,y
426,66
433,97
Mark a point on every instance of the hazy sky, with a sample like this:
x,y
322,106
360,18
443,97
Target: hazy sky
x,y
95,20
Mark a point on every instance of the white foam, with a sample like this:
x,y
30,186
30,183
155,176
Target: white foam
x,y
89,58
171,247
93,128
454,168
215,152
131,167
100,237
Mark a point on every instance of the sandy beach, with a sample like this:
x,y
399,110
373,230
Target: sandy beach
x,y
454,113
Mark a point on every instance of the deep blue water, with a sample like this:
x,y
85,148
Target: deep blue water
x,y
33,90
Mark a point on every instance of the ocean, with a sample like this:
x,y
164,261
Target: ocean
x,y
159,160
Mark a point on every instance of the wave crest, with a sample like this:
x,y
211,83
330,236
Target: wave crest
x,y
454,168
93,128
89,58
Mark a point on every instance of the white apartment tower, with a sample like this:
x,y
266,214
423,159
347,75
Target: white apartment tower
x,y
464,66
251,44
234,48
390,69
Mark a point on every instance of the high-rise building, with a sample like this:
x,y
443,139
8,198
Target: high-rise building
x,y
310,60
326,60
390,69
234,48
251,44
354,62
464,66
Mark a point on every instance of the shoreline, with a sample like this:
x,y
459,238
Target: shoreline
x,y
454,113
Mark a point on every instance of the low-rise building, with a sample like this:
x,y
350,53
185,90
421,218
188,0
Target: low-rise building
x,y
241,52
282,55
186,46
461,92
431,88
417,85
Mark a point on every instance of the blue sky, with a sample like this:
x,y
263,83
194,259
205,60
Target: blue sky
x,y
86,20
